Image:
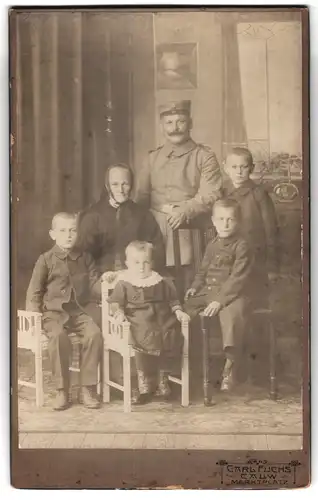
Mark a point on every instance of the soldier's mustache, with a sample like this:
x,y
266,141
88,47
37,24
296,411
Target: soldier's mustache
x,y
176,134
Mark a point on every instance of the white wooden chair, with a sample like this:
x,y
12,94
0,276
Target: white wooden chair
x,y
117,338
31,337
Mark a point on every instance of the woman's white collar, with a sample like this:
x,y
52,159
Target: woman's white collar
x,y
131,278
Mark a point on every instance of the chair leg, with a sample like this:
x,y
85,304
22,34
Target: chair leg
x,y
79,388
177,263
105,381
101,375
127,383
185,378
206,368
39,392
272,361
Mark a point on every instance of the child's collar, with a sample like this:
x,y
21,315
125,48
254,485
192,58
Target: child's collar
x,y
243,187
134,280
228,239
62,254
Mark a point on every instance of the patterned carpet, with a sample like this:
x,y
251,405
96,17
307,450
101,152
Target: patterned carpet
x,y
231,414
247,411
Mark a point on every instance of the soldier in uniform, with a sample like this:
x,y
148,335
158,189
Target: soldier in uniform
x,y
179,180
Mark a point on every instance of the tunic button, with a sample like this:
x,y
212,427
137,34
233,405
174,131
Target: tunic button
x,y
214,280
209,287
63,291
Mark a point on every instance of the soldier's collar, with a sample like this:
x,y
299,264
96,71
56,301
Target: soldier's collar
x,y
62,254
178,149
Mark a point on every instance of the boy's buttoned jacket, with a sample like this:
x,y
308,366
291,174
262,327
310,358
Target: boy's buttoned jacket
x,y
55,276
225,271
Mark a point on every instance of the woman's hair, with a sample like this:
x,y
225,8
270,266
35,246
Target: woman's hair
x,y
140,246
123,166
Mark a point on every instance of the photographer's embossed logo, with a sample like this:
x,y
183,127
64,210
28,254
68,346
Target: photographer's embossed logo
x,y
258,472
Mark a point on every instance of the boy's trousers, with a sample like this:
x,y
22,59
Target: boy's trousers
x,y
233,317
59,346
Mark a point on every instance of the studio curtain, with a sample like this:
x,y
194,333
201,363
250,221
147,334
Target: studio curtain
x,y
234,131
70,106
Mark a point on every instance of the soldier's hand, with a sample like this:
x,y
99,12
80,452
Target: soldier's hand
x,y
189,293
167,209
176,219
212,309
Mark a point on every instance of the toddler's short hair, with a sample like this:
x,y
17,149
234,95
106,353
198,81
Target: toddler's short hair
x,y
63,215
239,151
140,246
227,203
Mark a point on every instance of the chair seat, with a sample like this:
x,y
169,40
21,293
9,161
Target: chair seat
x,y
31,337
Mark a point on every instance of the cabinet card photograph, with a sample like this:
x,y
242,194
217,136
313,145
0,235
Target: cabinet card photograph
x,y
159,247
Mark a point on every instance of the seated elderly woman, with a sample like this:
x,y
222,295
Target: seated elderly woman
x,y
108,226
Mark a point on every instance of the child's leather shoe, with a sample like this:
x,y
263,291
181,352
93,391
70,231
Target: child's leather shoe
x,y
61,400
90,399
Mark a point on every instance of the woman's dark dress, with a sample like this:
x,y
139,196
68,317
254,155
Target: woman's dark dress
x,y
105,232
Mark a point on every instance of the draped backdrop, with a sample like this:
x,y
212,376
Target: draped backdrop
x,y
234,129
72,116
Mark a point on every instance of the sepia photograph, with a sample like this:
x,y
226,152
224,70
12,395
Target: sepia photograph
x,y
159,239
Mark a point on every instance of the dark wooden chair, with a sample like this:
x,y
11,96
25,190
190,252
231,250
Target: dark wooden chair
x,y
208,353
201,232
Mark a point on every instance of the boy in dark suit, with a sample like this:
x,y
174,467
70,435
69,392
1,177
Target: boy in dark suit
x,y
260,229
222,285
61,288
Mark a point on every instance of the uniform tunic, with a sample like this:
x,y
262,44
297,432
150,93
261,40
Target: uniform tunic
x,y
224,277
148,305
186,176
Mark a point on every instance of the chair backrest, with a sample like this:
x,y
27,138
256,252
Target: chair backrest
x,y
29,329
113,332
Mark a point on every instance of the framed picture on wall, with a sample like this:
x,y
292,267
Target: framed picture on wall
x,y
176,66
